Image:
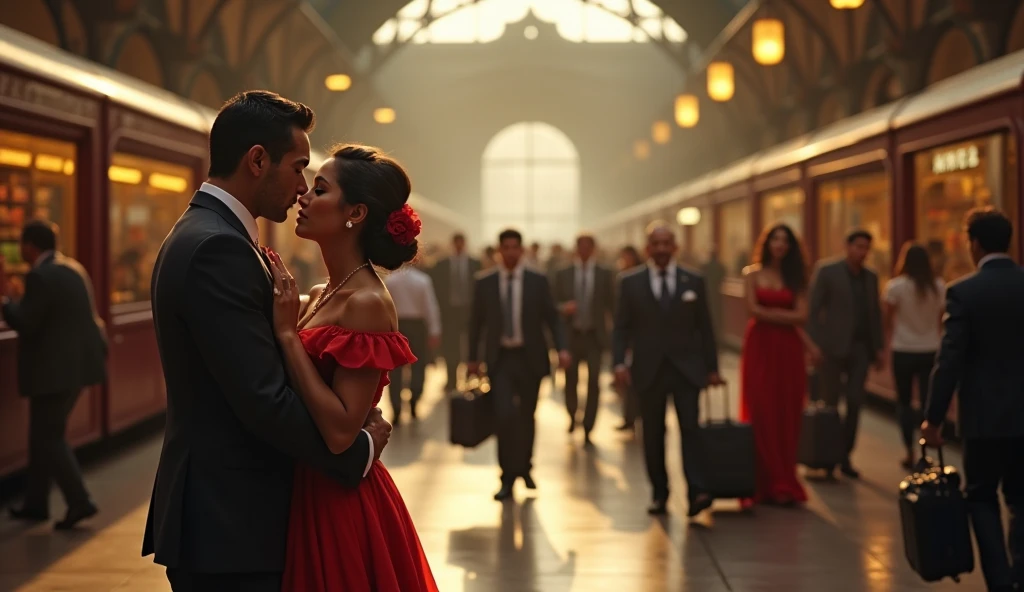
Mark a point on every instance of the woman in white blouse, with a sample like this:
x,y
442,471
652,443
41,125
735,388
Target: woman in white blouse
x,y
913,306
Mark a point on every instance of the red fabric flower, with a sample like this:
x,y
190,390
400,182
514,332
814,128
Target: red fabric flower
x,y
404,225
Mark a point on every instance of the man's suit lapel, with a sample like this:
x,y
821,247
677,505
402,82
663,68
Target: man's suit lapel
x,y
202,199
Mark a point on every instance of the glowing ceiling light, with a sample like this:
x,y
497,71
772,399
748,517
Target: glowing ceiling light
x,y
687,110
847,4
641,149
338,82
384,115
721,81
769,43
172,183
661,132
120,174
688,216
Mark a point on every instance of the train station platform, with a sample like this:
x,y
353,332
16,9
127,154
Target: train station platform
x,y
584,529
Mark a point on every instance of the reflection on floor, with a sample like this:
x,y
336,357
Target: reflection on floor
x,y
585,529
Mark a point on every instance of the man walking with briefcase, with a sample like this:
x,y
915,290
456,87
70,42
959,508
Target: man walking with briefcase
x,y
980,359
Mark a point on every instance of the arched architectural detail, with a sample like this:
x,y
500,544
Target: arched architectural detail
x,y
831,109
955,52
1015,38
204,88
531,182
76,36
33,17
877,87
135,55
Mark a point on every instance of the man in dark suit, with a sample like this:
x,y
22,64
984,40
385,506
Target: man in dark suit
x,y
662,316
982,360
845,321
219,513
585,293
61,350
453,279
511,307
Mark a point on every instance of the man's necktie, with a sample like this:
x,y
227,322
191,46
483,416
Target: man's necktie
x,y
666,290
583,303
509,322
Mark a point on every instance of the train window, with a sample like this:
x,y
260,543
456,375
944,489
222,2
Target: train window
x,y
783,206
951,180
146,198
736,236
704,236
37,181
860,201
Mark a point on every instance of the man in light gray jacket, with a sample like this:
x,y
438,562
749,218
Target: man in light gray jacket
x,y
845,321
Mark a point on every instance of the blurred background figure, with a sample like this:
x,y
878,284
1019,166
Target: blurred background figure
x,y
453,279
912,308
585,295
61,350
714,275
629,258
419,319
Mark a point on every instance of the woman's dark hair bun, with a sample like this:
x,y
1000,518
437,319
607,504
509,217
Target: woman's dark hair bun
x,y
368,176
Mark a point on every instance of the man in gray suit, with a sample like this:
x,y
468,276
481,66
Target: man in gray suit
x,y
585,292
453,279
61,350
845,321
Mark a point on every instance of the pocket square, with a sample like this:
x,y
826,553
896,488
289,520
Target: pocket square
x,y
689,296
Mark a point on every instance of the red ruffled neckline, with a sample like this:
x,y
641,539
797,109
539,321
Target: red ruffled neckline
x,y
380,350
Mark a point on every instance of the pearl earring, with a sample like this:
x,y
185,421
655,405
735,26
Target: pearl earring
x,y
348,224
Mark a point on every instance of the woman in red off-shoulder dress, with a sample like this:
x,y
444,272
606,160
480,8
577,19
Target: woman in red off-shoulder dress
x,y
773,372
338,359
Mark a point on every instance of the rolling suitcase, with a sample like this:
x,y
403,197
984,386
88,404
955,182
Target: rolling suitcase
x,y
727,452
471,414
821,437
936,530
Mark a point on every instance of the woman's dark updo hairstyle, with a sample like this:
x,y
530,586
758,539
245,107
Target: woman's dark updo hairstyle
x,y
367,176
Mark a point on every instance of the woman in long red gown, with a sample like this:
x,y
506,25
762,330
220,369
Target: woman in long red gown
x,y
773,373
338,359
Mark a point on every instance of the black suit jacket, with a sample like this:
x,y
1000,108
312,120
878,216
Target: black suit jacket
x,y
982,354
223,487
61,342
683,334
486,321
602,305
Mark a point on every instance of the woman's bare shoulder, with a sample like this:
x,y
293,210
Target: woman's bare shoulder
x,y
316,290
368,309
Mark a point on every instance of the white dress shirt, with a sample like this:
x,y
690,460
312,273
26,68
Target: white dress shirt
x,y
236,207
656,279
517,304
249,222
413,293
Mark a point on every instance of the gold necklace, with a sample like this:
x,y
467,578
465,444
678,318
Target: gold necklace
x,y
327,294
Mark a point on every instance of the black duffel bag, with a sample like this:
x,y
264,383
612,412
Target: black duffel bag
x,y
933,513
727,453
471,414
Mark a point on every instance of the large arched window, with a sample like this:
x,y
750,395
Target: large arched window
x,y
531,183
483,21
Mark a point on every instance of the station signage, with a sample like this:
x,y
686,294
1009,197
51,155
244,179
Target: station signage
x,y
959,159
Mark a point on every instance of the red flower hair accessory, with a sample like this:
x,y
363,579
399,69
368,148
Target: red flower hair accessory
x,y
404,225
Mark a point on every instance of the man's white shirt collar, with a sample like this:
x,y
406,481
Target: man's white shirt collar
x,y
991,257
236,208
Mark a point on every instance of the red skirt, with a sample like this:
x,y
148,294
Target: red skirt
x,y
353,540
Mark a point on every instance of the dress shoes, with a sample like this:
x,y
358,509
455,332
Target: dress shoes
x,y
529,482
504,493
28,514
76,515
703,502
658,508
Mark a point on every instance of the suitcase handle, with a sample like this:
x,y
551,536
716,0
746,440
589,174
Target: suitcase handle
x,y
707,404
924,454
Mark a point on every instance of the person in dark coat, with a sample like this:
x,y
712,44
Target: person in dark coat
x,y
62,349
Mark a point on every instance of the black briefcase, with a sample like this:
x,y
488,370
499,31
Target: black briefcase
x,y
471,414
821,437
727,451
933,513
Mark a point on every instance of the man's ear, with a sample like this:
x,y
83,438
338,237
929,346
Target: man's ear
x,y
256,160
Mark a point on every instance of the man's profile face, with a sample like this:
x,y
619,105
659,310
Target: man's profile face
x,y
281,184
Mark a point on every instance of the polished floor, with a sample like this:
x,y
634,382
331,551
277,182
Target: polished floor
x,y
584,529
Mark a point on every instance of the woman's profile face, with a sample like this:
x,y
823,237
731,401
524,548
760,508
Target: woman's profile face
x,y
778,244
320,212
